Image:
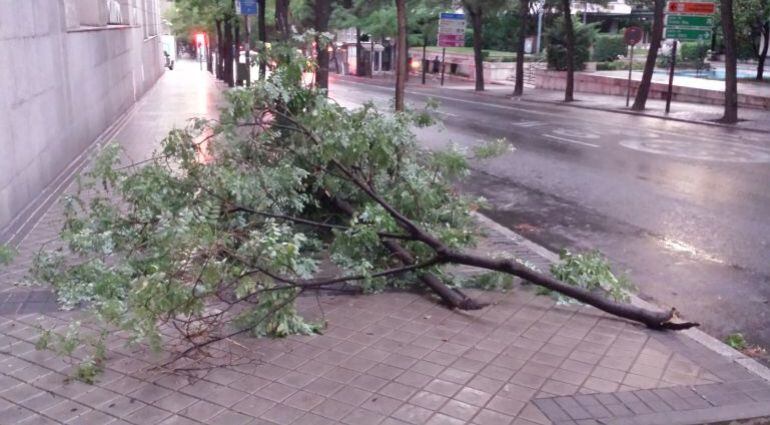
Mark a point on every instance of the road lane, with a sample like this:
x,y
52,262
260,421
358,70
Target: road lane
x,y
684,208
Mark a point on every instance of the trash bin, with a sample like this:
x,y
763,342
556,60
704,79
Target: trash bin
x,y
453,68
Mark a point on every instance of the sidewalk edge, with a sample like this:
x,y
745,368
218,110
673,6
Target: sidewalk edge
x,y
695,334
642,114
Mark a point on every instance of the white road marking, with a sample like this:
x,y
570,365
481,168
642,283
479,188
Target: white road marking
x,y
578,142
528,123
447,114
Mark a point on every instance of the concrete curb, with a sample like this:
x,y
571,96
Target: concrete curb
x,y
642,114
695,334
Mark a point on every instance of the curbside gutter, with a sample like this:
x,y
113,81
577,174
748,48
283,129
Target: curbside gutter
x,y
695,334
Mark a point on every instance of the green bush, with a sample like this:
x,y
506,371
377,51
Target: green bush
x,y
609,47
695,53
556,54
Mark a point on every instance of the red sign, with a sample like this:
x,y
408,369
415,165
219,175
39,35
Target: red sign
x,y
451,40
691,7
633,35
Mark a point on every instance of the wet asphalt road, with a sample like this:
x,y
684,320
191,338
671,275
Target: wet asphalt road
x,y
683,209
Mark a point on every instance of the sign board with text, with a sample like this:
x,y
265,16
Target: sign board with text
x,y
246,7
688,34
689,20
691,7
451,30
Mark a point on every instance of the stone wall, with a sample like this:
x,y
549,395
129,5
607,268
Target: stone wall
x,y
602,84
493,71
61,86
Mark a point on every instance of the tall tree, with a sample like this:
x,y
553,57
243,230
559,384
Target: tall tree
x,y
475,10
569,34
322,13
731,67
752,20
640,102
401,52
262,33
523,7
282,25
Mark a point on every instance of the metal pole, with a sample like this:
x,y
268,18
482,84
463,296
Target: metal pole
x,y
424,42
248,50
630,68
671,78
443,64
371,57
585,12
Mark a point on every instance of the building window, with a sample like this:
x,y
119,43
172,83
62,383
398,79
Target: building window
x,y
115,13
150,18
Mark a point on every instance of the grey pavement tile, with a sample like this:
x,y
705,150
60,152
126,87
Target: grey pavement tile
x,y
398,391
147,415
362,416
428,400
332,409
351,395
14,414
323,386
65,410
276,392
313,419
229,417
441,387
473,396
38,420
296,379
412,414
201,410
490,417
253,406
381,404
442,419
304,400
92,418
459,409
179,420
175,402
369,382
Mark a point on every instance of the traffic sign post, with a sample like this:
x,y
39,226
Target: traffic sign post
x,y
691,20
246,7
451,33
632,36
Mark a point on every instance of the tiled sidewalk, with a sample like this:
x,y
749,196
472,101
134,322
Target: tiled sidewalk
x,y
392,359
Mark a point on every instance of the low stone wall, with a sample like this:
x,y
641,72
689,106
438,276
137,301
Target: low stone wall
x,y
602,84
493,71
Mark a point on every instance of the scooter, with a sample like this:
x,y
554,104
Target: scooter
x,y
169,61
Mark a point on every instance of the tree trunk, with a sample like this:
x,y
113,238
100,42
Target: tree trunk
x,y
282,26
569,34
518,89
731,76
763,54
220,71
262,34
640,102
359,54
478,45
322,14
228,53
401,46
238,76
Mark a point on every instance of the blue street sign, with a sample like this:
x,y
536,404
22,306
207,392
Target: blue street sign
x,y
246,7
453,16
